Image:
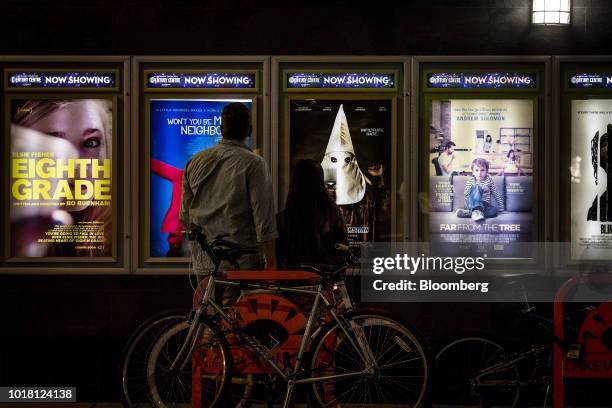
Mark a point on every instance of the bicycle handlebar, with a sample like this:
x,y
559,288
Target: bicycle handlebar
x,y
219,249
326,269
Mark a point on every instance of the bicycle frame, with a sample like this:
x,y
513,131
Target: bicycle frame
x,y
517,357
508,363
351,331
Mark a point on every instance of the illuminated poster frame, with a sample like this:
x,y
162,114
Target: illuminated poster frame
x,y
198,69
317,68
518,84
578,79
84,72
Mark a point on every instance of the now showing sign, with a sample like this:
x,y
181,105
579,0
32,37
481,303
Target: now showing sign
x,y
491,80
201,80
343,80
67,80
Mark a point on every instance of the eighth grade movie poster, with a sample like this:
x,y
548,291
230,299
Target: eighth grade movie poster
x,y
61,181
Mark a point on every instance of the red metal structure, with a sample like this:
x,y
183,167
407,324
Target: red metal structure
x,y
595,337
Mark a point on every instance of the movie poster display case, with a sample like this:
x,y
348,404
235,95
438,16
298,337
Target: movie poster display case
x,y
178,113
351,115
65,183
480,168
583,94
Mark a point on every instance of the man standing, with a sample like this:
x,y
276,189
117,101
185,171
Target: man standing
x,y
227,190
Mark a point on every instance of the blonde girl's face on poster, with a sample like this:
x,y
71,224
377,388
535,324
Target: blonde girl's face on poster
x,y
84,123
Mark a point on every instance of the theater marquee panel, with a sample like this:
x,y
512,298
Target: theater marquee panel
x,y
347,120
480,146
65,176
62,148
179,114
586,176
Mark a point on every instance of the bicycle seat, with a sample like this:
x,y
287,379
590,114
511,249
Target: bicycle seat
x,y
270,275
322,268
228,254
225,245
230,251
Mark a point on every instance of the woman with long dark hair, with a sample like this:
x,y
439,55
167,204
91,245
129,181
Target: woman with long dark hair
x,y
311,223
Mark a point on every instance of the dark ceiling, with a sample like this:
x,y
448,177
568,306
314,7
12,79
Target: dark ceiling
x,y
282,27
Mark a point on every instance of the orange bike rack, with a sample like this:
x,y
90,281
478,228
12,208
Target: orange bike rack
x,y
596,358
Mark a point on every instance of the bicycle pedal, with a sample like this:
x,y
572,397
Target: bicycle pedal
x,y
574,352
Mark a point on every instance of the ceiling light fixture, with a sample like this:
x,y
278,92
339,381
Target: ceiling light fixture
x,y
551,12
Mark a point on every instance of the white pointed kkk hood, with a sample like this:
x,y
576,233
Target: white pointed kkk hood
x,y
340,164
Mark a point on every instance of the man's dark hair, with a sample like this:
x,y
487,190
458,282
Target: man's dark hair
x,y
235,121
449,144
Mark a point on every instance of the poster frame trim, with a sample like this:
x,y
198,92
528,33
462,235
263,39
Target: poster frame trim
x,y
541,63
123,264
139,266
563,95
401,63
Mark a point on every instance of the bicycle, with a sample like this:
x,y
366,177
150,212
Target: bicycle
x,y
132,365
476,370
355,358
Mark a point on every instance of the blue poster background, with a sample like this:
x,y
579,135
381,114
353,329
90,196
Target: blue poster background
x,y
174,144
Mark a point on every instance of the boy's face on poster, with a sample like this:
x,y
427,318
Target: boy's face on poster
x,y
479,172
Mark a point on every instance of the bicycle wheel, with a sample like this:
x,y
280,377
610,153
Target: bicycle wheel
x,y
133,361
458,365
400,375
173,387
